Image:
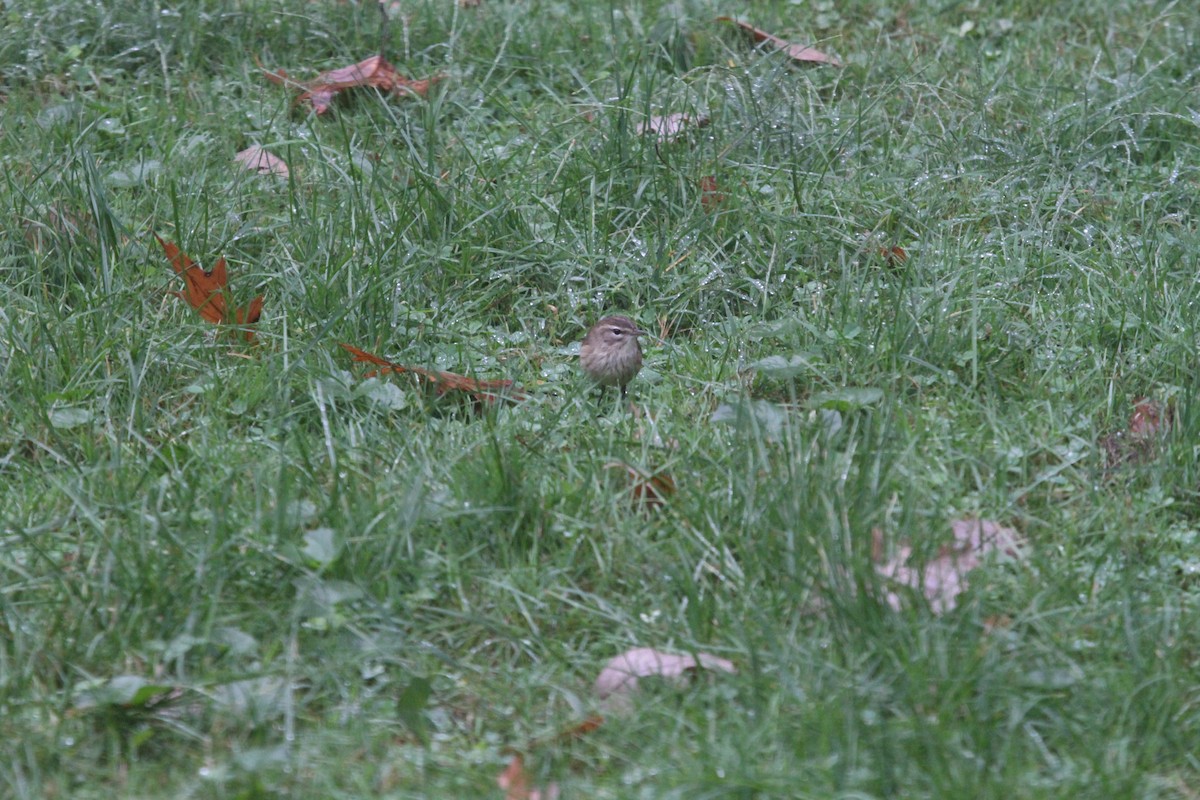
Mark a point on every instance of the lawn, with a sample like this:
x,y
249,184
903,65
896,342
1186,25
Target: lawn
x,y
951,278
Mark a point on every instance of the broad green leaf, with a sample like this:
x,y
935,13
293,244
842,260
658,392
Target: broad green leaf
x,y
69,417
751,415
784,366
410,706
123,690
320,546
847,399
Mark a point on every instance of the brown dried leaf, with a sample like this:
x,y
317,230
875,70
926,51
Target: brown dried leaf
x,y
646,490
206,291
261,161
893,256
581,729
54,223
514,780
1149,418
710,195
483,392
1149,421
944,578
376,72
796,52
671,127
619,678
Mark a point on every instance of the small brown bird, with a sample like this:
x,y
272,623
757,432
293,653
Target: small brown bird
x,y
610,353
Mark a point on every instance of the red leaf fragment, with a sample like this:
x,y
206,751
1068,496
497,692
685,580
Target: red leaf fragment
x,y
514,780
581,729
796,52
261,161
944,578
893,256
646,490
376,72
1149,421
487,392
206,291
710,195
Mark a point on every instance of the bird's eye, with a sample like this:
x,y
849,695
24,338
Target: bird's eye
x,y
617,331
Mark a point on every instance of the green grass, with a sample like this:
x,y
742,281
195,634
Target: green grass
x,y
290,551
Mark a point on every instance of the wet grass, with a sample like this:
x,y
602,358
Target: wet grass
x,y
235,570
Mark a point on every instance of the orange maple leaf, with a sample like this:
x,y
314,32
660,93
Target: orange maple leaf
x,y
206,290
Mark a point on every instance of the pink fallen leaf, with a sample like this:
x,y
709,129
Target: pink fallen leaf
x,y
942,579
262,161
796,52
376,72
670,127
619,678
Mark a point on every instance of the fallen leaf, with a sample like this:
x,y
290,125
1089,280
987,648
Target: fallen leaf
x,y
581,729
484,392
668,327
56,223
785,366
848,398
123,691
514,780
206,291
1139,442
1149,418
649,491
796,52
710,195
619,678
671,127
375,72
753,417
893,256
944,578
261,161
